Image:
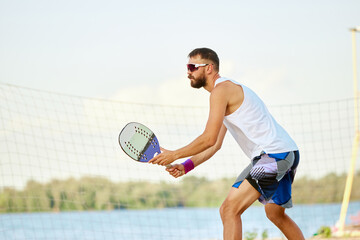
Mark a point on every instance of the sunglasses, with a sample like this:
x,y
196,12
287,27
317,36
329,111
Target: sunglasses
x,y
193,67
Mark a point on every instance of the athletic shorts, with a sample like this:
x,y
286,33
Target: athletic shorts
x,y
272,175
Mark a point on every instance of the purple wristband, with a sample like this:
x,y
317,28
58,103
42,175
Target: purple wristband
x,y
188,165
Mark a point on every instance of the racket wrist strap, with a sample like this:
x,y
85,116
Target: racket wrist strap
x,y
188,165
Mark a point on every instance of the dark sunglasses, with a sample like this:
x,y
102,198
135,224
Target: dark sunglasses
x,y
193,67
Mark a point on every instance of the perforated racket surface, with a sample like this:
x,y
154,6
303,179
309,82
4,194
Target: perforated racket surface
x,y
139,142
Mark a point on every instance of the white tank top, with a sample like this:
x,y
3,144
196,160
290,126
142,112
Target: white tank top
x,y
254,128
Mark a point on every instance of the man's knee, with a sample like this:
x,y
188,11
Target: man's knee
x,y
230,209
222,210
272,216
274,213
238,200
226,210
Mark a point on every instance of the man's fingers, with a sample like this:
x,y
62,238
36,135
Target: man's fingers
x,y
152,160
160,161
171,169
155,159
176,173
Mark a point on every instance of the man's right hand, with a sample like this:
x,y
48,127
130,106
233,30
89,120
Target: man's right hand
x,y
176,170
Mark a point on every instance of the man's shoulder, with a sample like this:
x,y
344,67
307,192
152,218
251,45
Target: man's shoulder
x,y
227,84
228,91
222,88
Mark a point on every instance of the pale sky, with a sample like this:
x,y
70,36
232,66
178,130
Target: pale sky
x,y
287,51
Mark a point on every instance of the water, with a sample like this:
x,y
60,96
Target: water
x,y
159,224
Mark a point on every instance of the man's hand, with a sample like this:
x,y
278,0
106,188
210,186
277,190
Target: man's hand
x,y
164,158
176,170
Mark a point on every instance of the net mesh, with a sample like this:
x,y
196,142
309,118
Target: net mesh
x,y
62,172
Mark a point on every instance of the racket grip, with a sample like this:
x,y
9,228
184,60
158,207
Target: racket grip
x,y
188,165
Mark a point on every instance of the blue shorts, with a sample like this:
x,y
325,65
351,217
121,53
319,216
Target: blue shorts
x,y
272,175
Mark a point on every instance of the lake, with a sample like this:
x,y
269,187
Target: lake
x,y
158,224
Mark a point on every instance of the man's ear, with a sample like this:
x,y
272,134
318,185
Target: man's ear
x,y
210,68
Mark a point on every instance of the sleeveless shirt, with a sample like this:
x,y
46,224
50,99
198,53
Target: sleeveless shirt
x,y
254,128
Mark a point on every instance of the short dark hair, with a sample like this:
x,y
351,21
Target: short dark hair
x,y
206,53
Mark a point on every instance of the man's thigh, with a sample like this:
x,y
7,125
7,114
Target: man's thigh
x,y
240,198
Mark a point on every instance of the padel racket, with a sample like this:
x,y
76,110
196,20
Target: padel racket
x,y
139,142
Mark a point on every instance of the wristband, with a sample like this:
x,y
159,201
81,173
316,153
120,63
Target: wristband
x,y
188,165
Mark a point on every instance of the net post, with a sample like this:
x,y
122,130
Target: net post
x,y
355,146
348,186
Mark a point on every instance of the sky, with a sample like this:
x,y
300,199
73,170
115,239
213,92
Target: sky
x,y
287,51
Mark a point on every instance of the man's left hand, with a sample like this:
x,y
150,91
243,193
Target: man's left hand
x,y
164,158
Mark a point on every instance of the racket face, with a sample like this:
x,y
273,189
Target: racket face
x,y
139,142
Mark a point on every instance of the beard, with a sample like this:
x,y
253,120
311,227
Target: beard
x,y
197,83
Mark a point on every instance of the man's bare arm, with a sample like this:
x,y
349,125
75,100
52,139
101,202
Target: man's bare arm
x,y
218,104
208,153
177,170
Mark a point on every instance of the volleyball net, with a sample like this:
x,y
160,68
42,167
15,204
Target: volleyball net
x,y
59,154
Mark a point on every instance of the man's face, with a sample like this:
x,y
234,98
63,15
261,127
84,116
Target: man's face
x,y
197,77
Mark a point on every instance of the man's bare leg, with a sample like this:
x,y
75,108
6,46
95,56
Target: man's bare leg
x,y
288,227
237,201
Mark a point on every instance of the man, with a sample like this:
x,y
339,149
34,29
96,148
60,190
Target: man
x,y
274,155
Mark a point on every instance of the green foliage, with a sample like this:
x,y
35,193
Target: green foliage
x,y
324,231
264,235
250,235
101,194
328,189
253,235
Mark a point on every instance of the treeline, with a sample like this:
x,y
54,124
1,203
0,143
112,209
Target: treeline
x,y
102,194
328,189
